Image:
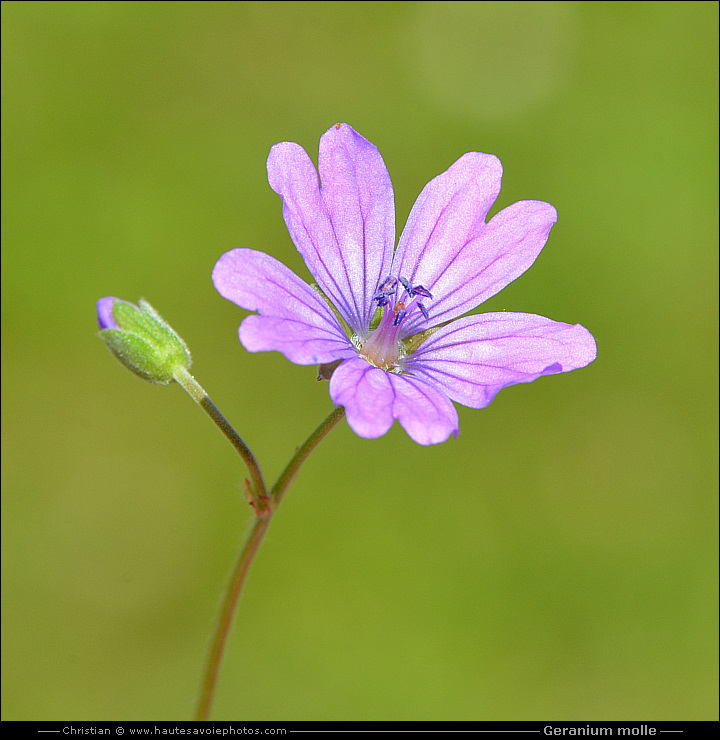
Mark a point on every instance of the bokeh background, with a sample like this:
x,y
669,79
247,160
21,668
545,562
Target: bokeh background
x,y
557,561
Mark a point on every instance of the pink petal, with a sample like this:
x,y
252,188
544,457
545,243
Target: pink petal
x,y
293,318
476,356
373,399
448,212
346,231
502,251
358,194
449,249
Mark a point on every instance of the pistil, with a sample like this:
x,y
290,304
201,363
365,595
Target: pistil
x,y
384,348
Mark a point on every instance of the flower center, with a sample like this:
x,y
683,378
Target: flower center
x,y
383,348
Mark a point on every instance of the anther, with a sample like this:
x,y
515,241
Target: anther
x,y
387,285
424,292
406,284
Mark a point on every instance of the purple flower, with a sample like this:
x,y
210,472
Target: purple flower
x,y
105,318
393,322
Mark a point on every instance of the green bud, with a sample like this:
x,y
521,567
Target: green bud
x,y
141,339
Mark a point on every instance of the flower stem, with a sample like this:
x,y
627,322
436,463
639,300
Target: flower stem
x,y
247,554
288,475
198,394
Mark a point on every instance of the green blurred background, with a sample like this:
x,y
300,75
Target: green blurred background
x,y
557,561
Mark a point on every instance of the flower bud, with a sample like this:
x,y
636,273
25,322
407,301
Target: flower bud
x,y
141,340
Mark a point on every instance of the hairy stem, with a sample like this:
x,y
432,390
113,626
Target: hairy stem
x,y
247,554
198,394
303,452
252,543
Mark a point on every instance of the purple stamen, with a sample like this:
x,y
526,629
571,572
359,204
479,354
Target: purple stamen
x,y
424,292
424,310
399,316
385,289
387,285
